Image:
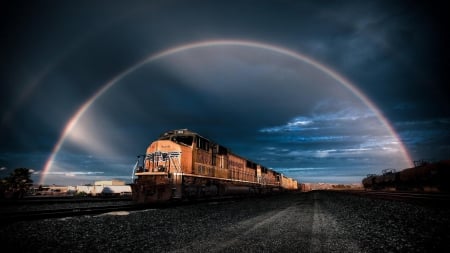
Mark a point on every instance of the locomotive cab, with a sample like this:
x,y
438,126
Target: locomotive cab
x,y
159,175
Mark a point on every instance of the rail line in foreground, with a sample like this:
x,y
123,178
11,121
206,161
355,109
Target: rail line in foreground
x,y
421,198
8,217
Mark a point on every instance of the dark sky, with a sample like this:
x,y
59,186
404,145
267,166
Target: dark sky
x,y
271,90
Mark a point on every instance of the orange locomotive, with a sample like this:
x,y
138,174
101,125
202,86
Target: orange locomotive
x,y
184,165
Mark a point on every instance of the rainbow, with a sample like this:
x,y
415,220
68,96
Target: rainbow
x,y
212,43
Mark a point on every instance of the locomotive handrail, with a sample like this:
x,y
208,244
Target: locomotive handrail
x,y
153,173
177,165
388,171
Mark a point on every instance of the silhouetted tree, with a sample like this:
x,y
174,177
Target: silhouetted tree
x,y
16,184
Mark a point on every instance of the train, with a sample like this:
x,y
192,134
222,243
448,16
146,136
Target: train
x,y
183,165
425,176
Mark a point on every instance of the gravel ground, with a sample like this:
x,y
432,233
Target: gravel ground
x,y
304,222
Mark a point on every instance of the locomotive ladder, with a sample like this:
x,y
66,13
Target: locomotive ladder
x,y
177,178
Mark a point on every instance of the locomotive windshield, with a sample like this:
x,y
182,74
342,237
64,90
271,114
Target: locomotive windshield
x,y
182,136
187,140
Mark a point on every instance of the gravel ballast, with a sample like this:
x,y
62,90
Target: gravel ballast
x,y
301,222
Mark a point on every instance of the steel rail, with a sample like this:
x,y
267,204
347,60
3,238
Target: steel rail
x,y
8,217
423,198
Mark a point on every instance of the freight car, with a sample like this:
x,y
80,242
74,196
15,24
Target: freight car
x,y
181,164
424,176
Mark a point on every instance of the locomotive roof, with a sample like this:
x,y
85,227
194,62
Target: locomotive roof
x,y
187,132
184,131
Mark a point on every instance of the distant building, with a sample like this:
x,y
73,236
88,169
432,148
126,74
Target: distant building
x,y
100,188
50,190
109,182
105,188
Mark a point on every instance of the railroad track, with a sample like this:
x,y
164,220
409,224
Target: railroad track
x,y
60,200
432,199
8,217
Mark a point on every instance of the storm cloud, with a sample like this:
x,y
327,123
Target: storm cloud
x,y
265,105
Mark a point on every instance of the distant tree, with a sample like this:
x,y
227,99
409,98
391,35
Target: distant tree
x,y
16,184
3,187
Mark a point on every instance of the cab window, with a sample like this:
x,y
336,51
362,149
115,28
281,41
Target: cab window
x,y
187,140
202,143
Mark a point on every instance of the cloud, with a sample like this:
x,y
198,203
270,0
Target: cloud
x,y
265,106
